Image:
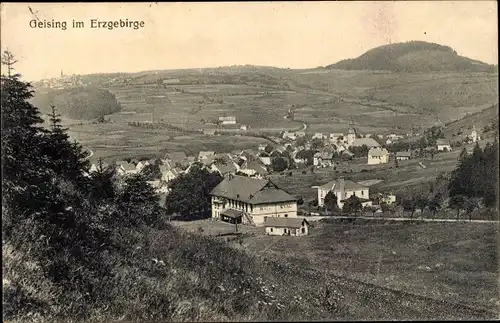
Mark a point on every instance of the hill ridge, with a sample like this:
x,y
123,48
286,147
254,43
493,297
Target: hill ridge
x,y
413,56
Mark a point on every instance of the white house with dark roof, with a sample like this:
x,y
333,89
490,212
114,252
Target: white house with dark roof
x,y
125,168
378,156
227,120
286,226
240,199
323,159
403,155
168,172
443,145
344,189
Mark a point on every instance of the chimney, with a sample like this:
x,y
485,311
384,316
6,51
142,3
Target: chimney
x,y
341,184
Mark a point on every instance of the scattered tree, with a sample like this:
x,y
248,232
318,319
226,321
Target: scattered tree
x,y
434,205
352,205
279,164
190,194
458,203
331,201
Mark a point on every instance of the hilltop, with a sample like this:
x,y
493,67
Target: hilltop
x,y
413,56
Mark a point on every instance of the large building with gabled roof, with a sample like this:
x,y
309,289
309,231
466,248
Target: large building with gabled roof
x,y
343,189
240,199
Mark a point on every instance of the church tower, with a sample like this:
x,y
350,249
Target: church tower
x,y
474,134
351,135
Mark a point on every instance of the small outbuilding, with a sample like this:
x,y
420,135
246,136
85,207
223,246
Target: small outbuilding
x,y
279,226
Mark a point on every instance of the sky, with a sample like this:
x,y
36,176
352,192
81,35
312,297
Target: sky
x,y
196,35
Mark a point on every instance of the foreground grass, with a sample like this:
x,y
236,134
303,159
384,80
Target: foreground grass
x,y
175,275
455,262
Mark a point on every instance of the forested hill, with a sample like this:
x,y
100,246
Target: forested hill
x,y
78,103
414,56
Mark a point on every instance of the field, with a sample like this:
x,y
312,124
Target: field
x,y
120,141
260,98
455,262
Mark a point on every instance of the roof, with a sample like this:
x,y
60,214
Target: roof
x,y
206,154
125,165
377,152
284,222
228,168
324,155
176,156
232,213
347,152
348,185
259,169
403,154
251,190
369,142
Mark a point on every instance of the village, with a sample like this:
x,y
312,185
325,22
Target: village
x,y
248,195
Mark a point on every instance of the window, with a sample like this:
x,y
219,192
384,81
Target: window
x,y
303,230
286,215
362,193
271,229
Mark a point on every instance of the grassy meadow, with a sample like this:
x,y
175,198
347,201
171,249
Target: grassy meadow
x,y
455,262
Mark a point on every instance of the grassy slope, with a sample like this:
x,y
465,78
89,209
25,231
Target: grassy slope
x,y
481,119
200,282
451,262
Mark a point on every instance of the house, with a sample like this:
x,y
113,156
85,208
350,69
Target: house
x,y
289,135
378,156
443,145
343,189
95,167
317,135
125,168
240,199
140,165
255,169
227,120
368,142
178,157
346,154
229,168
265,158
168,172
286,226
262,147
334,137
388,199
403,155
222,158
300,134
248,155
243,127
323,159
206,155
